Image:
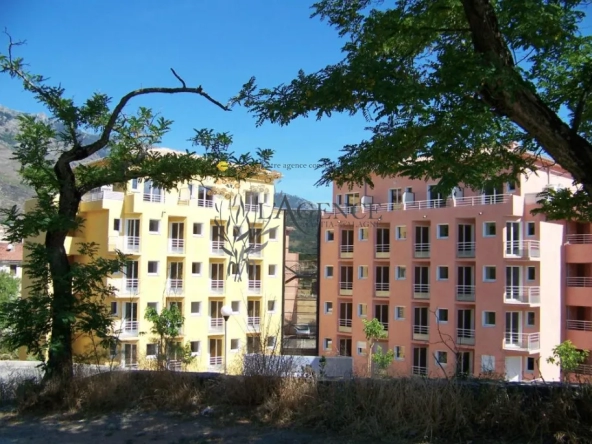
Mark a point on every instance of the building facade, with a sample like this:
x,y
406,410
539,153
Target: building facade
x,y
470,283
11,258
175,242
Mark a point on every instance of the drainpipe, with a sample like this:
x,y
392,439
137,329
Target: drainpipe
x,y
283,280
317,347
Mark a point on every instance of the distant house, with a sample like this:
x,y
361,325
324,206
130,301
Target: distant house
x,y
11,258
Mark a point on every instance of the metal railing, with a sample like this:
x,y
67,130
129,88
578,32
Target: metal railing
x,y
217,324
217,247
255,249
465,249
465,336
254,322
208,203
215,361
523,294
217,286
421,289
103,195
578,239
421,329
254,287
523,248
254,207
177,246
584,369
383,248
465,292
577,281
573,324
382,286
346,285
417,370
129,327
385,325
345,322
522,341
349,248
422,250
131,286
175,286
150,197
131,244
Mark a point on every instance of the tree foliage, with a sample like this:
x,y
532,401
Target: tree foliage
x,y
61,299
568,357
9,287
448,87
374,331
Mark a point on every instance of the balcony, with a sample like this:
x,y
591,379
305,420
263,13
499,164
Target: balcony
x,y
129,329
206,203
254,287
347,251
465,336
216,286
382,289
382,251
215,362
465,249
530,249
154,198
177,246
523,294
131,244
422,251
126,287
103,195
421,291
579,325
217,248
216,325
253,324
345,325
346,288
385,325
584,369
174,287
578,248
252,207
416,370
529,342
579,291
255,250
465,293
421,333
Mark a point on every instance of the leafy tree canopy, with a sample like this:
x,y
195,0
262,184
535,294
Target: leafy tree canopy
x,y
447,87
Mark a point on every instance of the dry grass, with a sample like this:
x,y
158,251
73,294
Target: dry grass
x,y
377,408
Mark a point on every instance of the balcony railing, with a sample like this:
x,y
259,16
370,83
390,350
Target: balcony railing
x,y
177,246
346,285
175,286
584,369
385,325
215,361
156,198
254,207
465,293
208,203
103,195
422,250
579,281
523,249
523,295
465,249
217,325
382,286
522,341
579,325
131,244
129,328
345,322
421,291
130,286
421,330
216,286
255,249
254,287
465,336
578,239
347,248
417,370
383,248
254,322
217,248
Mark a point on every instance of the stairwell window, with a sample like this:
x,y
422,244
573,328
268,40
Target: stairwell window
x,y
399,352
400,273
489,229
363,233
363,272
272,270
328,307
443,231
401,232
441,358
489,273
117,225
154,226
273,234
329,235
198,229
329,271
531,229
153,268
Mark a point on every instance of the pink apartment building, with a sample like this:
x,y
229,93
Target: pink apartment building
x,y
470,282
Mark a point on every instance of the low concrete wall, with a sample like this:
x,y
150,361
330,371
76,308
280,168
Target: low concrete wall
x,y
336,367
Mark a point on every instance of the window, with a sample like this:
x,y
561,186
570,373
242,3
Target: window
x,y
234,269
150,349
489,273
273,234
529,364
531,273
270,341
363,310
327,343
487,363
114,308
153,267
399,313
328,307
489,229
401,273
442,273
152,305
442,315
235,232
442,357
363,272
530,228
154,226
272,270
363,233
361,346
489,319
196,268
197,229
443,231
511,186
401,232
235,307
234,345
329,271
196,308
329,236
116,224
271,306
530,318
134,184
399,352
195,348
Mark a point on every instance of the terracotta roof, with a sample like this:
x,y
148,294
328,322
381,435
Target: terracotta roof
x,y
13,255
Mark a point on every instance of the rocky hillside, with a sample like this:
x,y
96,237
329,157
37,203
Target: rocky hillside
x,y
304,239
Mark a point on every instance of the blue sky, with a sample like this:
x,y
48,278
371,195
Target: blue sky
x,y
114,46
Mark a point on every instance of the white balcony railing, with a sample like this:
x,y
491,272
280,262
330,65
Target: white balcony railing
x,y
347,248
254,287
579,325
421,330
417,370
465,292
579,281
207,203
385,325
177,246
254,322
345,322
255,249
130,286
103,195
129,328
215,361
465,249
523,249
155,198
131,244
422,250
465,336
523,295
175,286
522,341
217,325
578,239
421,289
254,207
383,248
346,285
382,286
217,248
216,286
584,369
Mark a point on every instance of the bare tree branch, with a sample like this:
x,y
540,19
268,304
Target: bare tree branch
x,y
179,78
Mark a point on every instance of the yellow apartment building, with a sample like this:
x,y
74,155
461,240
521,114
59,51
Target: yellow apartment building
x,y
176,257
